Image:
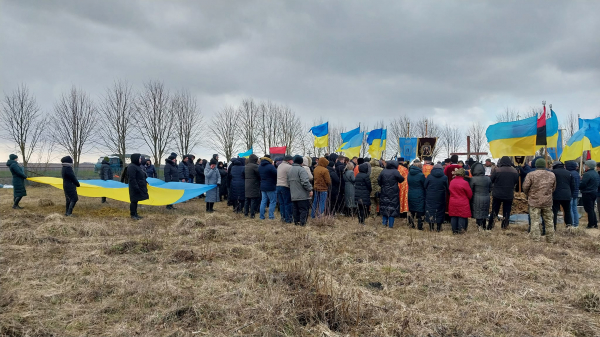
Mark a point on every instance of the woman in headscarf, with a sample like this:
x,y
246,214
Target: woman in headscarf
x,y
349,189
416,194
459,205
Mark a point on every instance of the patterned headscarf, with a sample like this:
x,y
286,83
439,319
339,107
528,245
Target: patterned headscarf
x,y
459,172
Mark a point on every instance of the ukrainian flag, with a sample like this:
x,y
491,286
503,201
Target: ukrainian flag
x,y
552,130
246,154
586,139
383,140
352,147
375,139
321,133
346,136
513,138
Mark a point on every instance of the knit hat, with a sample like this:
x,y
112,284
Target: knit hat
x,y
447,160
401,159
287,158
590,164
541,163
172,157
454,159
106,159
13,157
68,159
459,172
213,161
298,160
361,161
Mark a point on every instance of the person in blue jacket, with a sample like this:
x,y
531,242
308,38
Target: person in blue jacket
x,y
416,194
268,187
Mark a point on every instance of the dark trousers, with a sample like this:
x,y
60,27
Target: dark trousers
x,y
210,206
238,205
566,206
363,212
506,209
459,225
70,204
588,200
133,208
300,209
419,217
251,203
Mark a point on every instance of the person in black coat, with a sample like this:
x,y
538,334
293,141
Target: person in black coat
x,y
589,188
171,172
436,189
191,169
504,179
573,169
238,185
106,173
183,170
481,185
340,167
70,184
150,169
223,188
138,187
562,193
199,168
334,191
362,192
389,197
18,180
416,194
251,186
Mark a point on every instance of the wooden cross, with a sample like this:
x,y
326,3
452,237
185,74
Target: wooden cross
x,y
469,153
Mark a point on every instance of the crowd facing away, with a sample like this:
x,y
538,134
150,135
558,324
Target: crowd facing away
x,y
302,187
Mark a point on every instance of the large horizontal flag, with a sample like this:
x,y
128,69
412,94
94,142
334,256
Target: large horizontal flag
x,y
277,149
321,133
246,154
159,192
408,148
346,136
586,139
516,138
352,147
374,139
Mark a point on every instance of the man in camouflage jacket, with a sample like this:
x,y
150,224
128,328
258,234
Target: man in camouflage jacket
x,y
539,186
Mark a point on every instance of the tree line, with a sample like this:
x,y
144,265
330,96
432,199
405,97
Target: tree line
x,y
122,120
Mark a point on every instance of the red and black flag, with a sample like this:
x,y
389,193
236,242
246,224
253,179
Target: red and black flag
x,y
541,129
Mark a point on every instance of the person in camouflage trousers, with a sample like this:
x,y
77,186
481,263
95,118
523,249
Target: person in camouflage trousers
x,y
539,186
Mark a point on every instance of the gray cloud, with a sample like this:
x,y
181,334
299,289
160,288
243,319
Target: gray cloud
x,y
351,60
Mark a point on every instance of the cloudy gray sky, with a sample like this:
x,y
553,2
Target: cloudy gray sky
x,y
348,61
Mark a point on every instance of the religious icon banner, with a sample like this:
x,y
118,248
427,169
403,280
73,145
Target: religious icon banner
x,y
425,148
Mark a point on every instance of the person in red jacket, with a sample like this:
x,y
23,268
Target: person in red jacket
x,y
452,167
459,207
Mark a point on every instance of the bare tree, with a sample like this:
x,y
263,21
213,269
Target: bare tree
x,y
249,121
22,121
512,114
72,125
223,129
571,124
116,113
189,122
451,139
289,129
268,121
154,117
478,139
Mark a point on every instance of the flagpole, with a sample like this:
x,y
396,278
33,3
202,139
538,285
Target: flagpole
x,y
545,146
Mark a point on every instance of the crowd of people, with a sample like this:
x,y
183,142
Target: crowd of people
x,y
304,187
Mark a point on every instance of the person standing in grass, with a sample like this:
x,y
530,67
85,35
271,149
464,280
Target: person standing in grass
x,y
300,191
252,186
70,184
389,198
171,172
106,172
539,186
150,169
589,190
416,194
283,189
374,173
573,169
138,186
459,205
349,192
212,177
562,194
183,170
223,187
322,181
481,185
362,192
504,179
238,190
268,182
18,180
436,189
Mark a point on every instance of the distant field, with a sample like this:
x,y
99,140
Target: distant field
x,y
188,273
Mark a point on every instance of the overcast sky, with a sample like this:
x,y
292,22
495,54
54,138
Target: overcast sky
x,y
345,61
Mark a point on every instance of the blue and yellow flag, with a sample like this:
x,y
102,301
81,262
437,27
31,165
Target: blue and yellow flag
x,y
353,146
321,133
346,136
556,152
246,154
586,139
375,140
516,138
552,130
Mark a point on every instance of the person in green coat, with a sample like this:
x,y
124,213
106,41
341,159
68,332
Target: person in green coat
x,y
18,180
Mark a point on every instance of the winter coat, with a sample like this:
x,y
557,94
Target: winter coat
x,y
191,169
416,189
349,192
339,170
223,187
70,182
138,187
252,178
238,184
106,172
299,183
306,161
199,168
268,175
282,172
481,185
504,178
449,169
151,171
334,190
18,179
436,188
571,166
524,171
539,186
322,180
362,186
564,181
389,196
212,177
375,172
183,171
589,182
171,172
460,198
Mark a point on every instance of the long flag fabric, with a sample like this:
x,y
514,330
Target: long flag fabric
x,y
160,193
586,139
246,154
346,136
277,149
321,133
353,146
556,151
408,148
516,138
374,139
541,129
383,140
552,130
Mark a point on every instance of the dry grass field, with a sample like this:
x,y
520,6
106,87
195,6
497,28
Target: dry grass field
x,y
186,273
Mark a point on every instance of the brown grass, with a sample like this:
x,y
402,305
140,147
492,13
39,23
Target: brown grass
x,y
187,273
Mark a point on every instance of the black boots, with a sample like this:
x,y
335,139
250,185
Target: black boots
x,y
411,221
439,227
70,206
170,207
16,203
103,200
505,222
420,223
210,207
